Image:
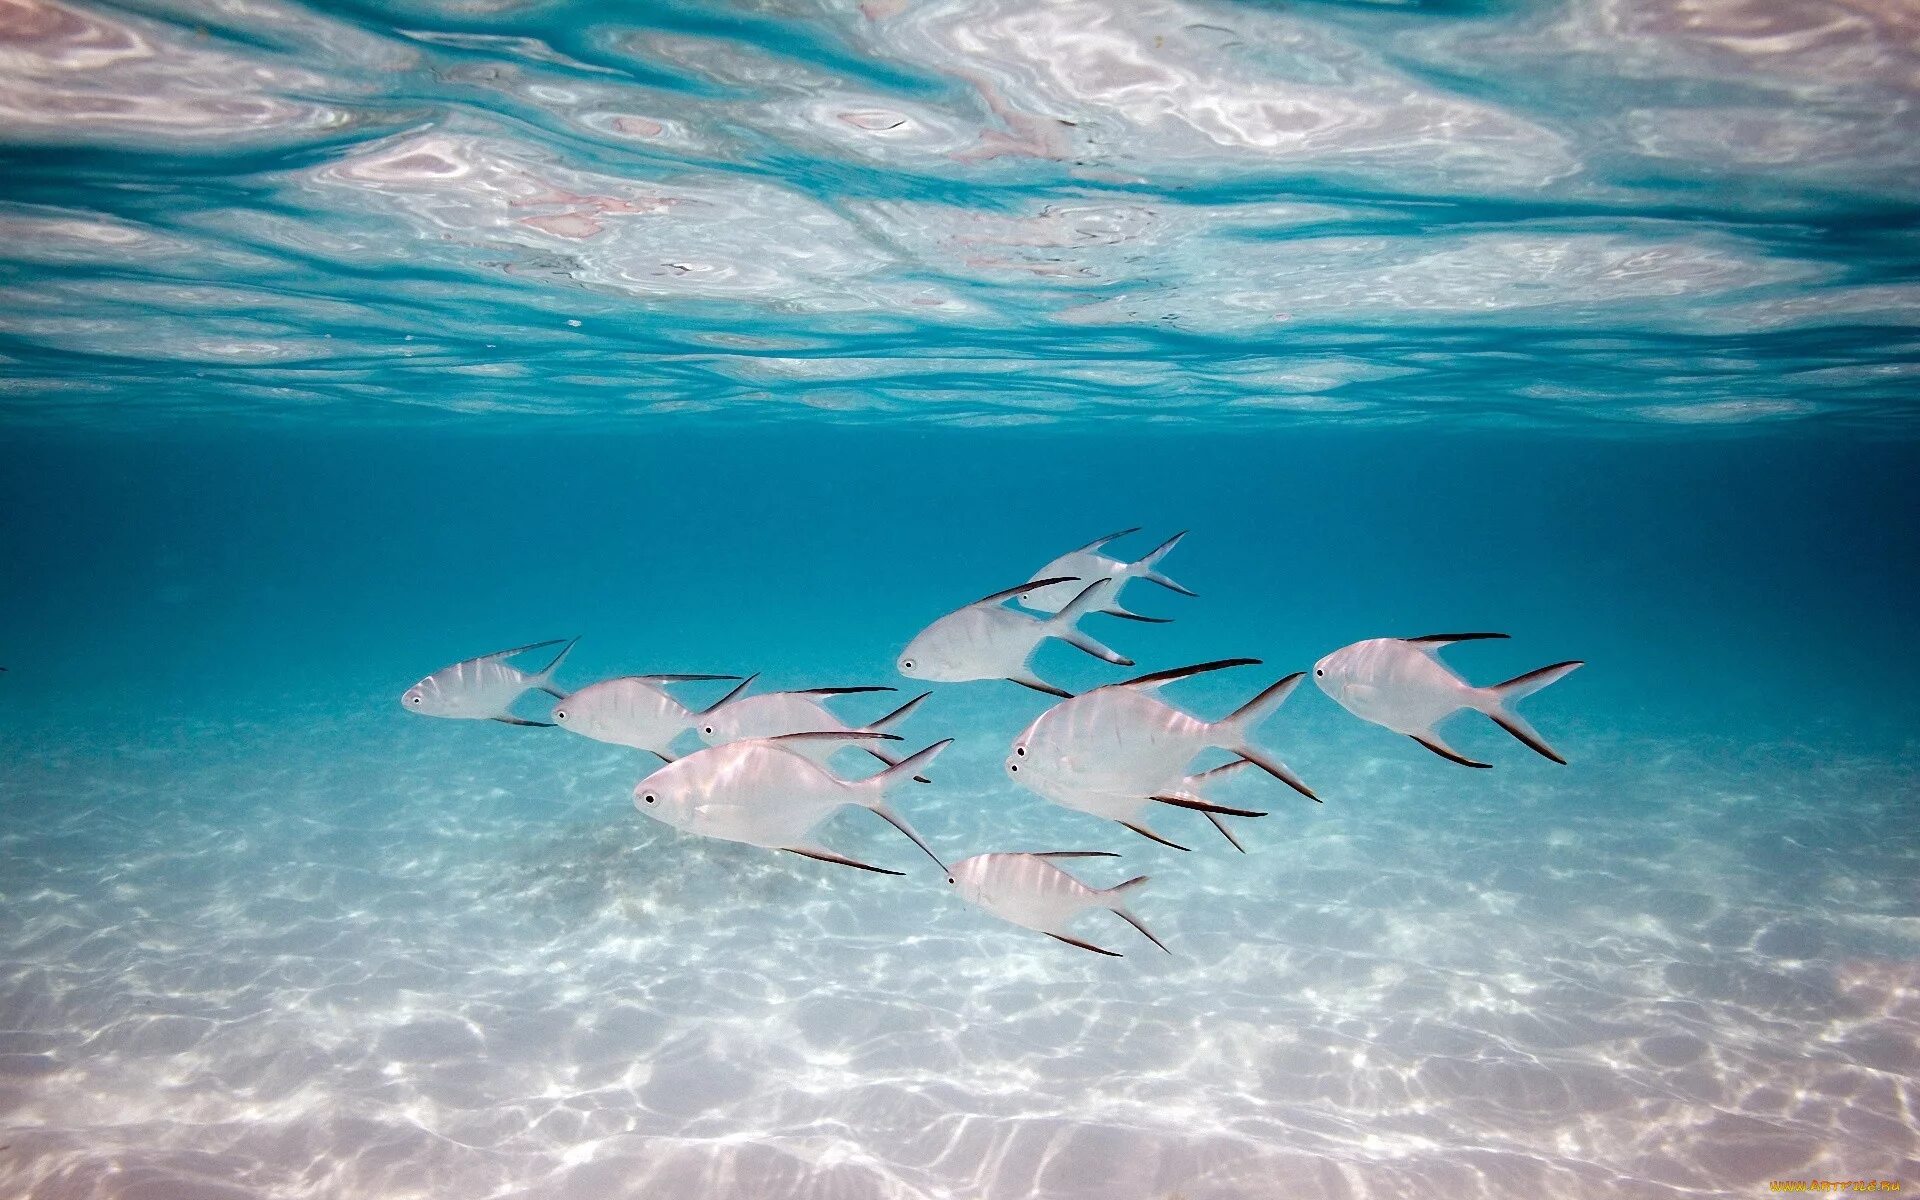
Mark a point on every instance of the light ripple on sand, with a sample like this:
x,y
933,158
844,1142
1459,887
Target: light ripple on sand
x,y
457,962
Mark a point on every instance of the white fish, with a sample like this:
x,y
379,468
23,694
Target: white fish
x,y
1087,563
1123,740
484,688
735,717
762,793
1402,684
633,710
1126,807
1028,890
987,640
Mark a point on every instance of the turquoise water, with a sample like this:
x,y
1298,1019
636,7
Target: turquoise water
x,y
341,345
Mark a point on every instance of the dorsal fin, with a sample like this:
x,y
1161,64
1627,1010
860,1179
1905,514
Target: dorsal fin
x,y
742,686
829,735
1155,678
1075,853
1442,639
516,650
1096,543
1028,586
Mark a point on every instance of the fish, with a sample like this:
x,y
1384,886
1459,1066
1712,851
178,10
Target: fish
x,y
484,688
761,792
735,717
633,710
986,640
1029,891
1401,684
1088,563
1124,740
1126,808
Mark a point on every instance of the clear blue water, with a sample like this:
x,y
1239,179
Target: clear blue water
x,y
1591,323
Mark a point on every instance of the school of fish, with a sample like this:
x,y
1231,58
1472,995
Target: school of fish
x,y
765,773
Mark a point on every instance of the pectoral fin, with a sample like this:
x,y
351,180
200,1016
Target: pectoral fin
x,y
838,859
1432,742
1073,941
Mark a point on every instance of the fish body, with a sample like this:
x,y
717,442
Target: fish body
x,y
986,640
633,710
1123,739
738,717
1030,891
483,688
760,792
1088,563
1401,684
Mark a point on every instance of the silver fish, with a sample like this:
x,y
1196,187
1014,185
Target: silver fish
x,y
1029,891
1401,683
633,710
1087,563
1126,807
1123,740
986,640
735,717
484,688
762,793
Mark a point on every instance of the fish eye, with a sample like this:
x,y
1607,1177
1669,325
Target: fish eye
x,y
708,731
907,663
1319,672
949,879
648,797
559,714
413,699
1020,750
1014,767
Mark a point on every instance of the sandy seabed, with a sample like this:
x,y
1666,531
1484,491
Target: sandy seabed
x,y
389,958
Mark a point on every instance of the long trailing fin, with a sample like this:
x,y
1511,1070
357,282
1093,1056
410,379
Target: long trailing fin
x,y
1114,610
737,688
1226,833
1444,639
1278,770
873,792
1116,894
1205,806
1154,678
1144,569
1497,702
1061,624
1150,835
1233,732
899,714
523,721
1098,542
1432,742
1074,941
829,856
835,735
520,650
840,691
1039,685
544,680
1074,853
1028,586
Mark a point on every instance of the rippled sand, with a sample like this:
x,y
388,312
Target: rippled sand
x,y
397,958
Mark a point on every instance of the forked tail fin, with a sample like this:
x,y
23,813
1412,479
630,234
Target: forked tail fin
x,y
1497,702
1115,897
1233,733
1062,624
1144,569
872,792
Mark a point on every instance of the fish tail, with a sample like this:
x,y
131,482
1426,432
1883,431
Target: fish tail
x,y
1497,702
873,793
1062,624
544,680
1232,732
1144,569
1117,893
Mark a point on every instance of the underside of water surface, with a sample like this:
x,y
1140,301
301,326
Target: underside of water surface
x,y
341,343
